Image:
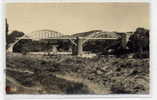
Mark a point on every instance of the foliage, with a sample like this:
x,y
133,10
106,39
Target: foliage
x,y
11,38
139,41
6,32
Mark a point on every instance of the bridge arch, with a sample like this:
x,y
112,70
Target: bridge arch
x,y
11,46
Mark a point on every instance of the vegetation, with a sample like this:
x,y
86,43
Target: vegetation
x,y
139,43
106,75
6,32
11,38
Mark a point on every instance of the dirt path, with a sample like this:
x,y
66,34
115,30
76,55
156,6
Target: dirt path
x,y
96,88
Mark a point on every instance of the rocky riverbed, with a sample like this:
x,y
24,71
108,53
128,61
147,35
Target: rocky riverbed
x,y
64,74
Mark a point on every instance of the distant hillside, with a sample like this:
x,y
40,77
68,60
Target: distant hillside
x,y
97,34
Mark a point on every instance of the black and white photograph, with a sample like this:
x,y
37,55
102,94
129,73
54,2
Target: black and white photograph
x,y
77,48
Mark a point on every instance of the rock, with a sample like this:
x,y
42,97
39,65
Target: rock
x,y
104,68
99,72
130,56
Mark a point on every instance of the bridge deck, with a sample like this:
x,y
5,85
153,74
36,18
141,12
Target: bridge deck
x,y
84,38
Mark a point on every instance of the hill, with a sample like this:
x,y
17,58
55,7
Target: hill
x,y
96,34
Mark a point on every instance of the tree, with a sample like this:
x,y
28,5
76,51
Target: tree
x,y
6,32
13,36
139,41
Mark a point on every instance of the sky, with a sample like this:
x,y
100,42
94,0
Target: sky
x,y
70,18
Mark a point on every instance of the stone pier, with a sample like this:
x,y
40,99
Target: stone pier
x,y
54,48
78,50
123,40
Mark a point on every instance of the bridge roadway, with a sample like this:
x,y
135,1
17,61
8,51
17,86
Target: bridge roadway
x,y
86,38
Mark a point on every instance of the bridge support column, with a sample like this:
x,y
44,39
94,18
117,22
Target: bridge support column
x,y
10,49
70,49
54,48
79,46
78,50
124,40
74,50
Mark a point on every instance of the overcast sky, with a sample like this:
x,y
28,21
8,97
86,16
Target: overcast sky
x,y
69,18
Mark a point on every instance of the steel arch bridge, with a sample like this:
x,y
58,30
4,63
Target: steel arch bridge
x,y
36,35
44,34
76,41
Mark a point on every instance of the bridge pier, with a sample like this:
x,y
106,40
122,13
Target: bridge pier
x,y
10,49
54,48
123,40
79,46
78,50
